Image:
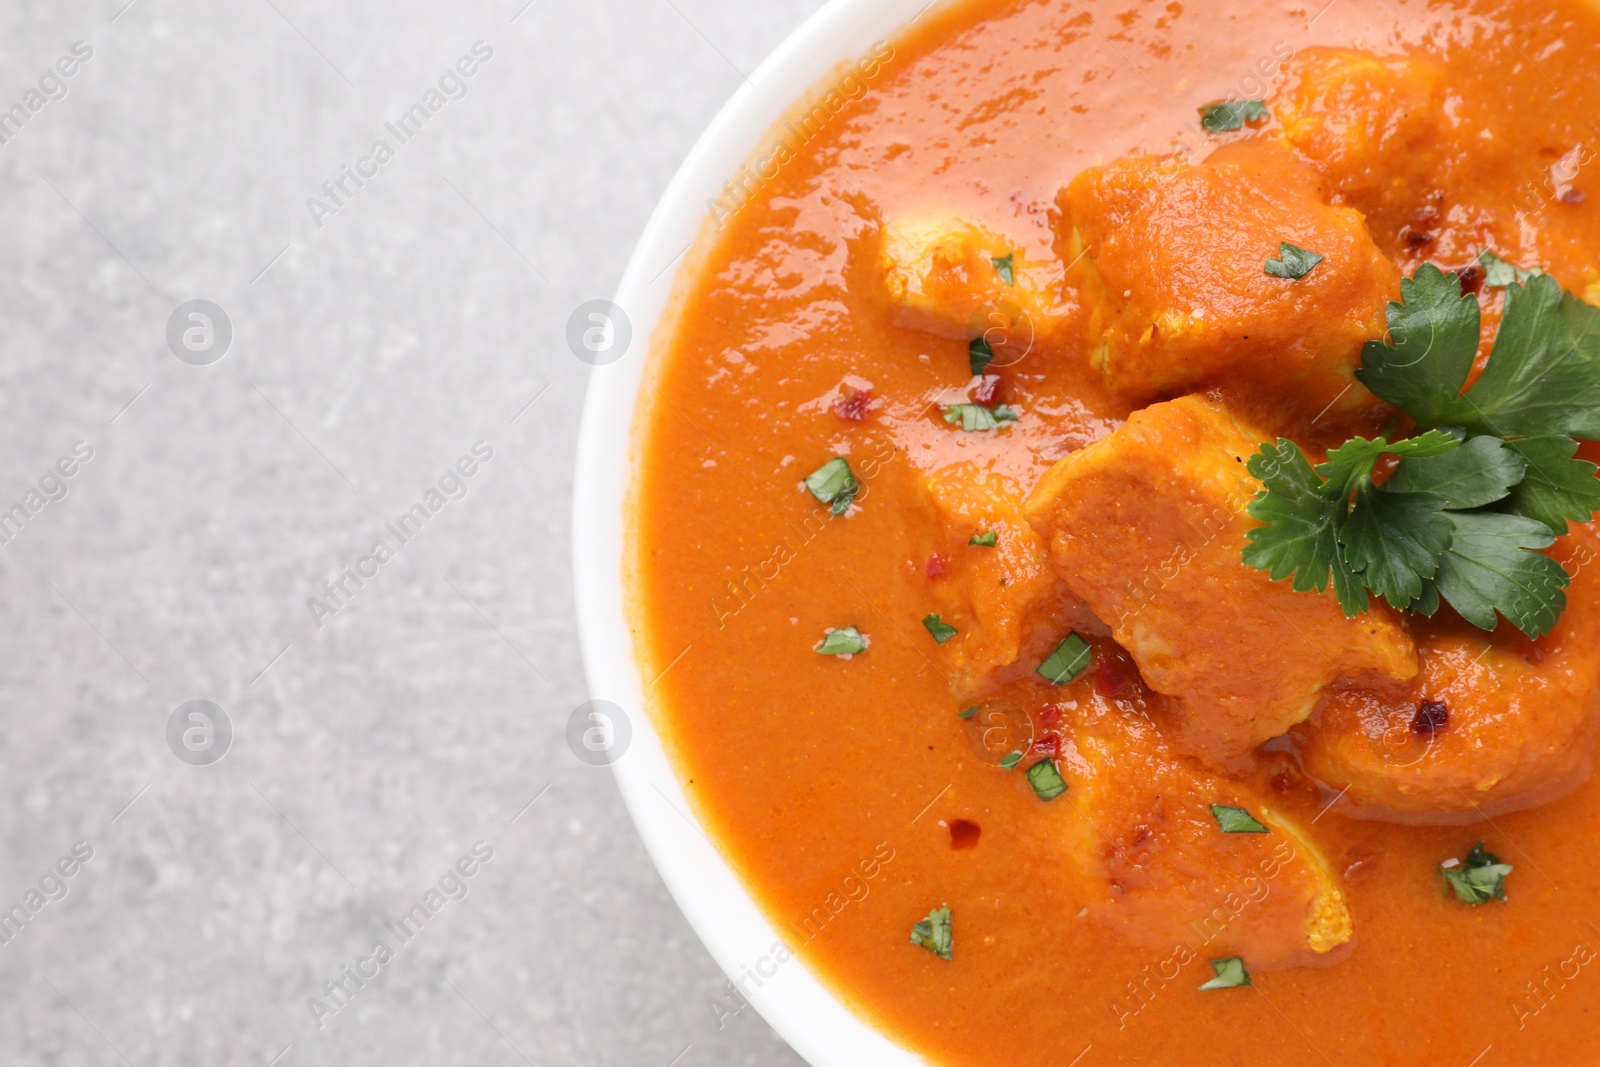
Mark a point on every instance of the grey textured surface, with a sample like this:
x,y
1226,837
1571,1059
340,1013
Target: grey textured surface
x,y
368,355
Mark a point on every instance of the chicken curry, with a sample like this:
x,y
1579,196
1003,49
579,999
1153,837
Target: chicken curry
x,y
1112,537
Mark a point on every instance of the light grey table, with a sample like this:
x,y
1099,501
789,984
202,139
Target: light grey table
x,y
384,729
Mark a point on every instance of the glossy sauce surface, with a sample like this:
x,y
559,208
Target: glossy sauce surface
x,y
848,794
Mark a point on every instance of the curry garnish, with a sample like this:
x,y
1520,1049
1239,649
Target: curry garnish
x,y
1489,481
1478,879
1230,974
967,713
975,418
835,484
988,539
1497,273
934,933
1068,660
979,356
1233,820
1010,760
1003,266
844,641
1046,780
941,630
1225,116
1293,262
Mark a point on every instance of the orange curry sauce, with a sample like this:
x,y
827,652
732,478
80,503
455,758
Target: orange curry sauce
x,y
847,793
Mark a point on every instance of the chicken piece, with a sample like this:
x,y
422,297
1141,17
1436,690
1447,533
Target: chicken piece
x,y
948,277
1515,729
1376,130
1171,875
1148,526
1171,267
1002,599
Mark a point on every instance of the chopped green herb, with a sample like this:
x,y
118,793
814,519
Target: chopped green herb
x,y
967,713
1069,659
834,483
1003,265
1497,273
1230,974
975,418
1046,780
985,540
845,641
979,356
1229,115
1233,820
941,630
1488,483
934,933
1010,760
1294,262
1480,878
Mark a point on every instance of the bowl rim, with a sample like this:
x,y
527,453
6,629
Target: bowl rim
x,y
815,1022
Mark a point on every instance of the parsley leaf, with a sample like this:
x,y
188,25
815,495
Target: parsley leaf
x,y
845,641
834,483
1230,974
1068,660
1003,265
934,933
1543,375
1479,879
979,356
975,418
1394,540
985,540
1293,263
1046,780
1010,760
967,713
941,630
1552,385
1480,472
1313,531
1356,457
1497,273
1491,565
1231,820
1558,488
1433,337
1300,535
1228,115
1487,484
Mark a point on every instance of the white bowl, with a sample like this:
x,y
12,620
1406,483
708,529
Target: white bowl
x,y
740,938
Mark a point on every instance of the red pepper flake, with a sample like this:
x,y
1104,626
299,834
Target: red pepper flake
x,y
1431,717
1049,714
935,565
964,834
1471,280
852,404
988,388
1109,680
1416,238
1569,195
1048,744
